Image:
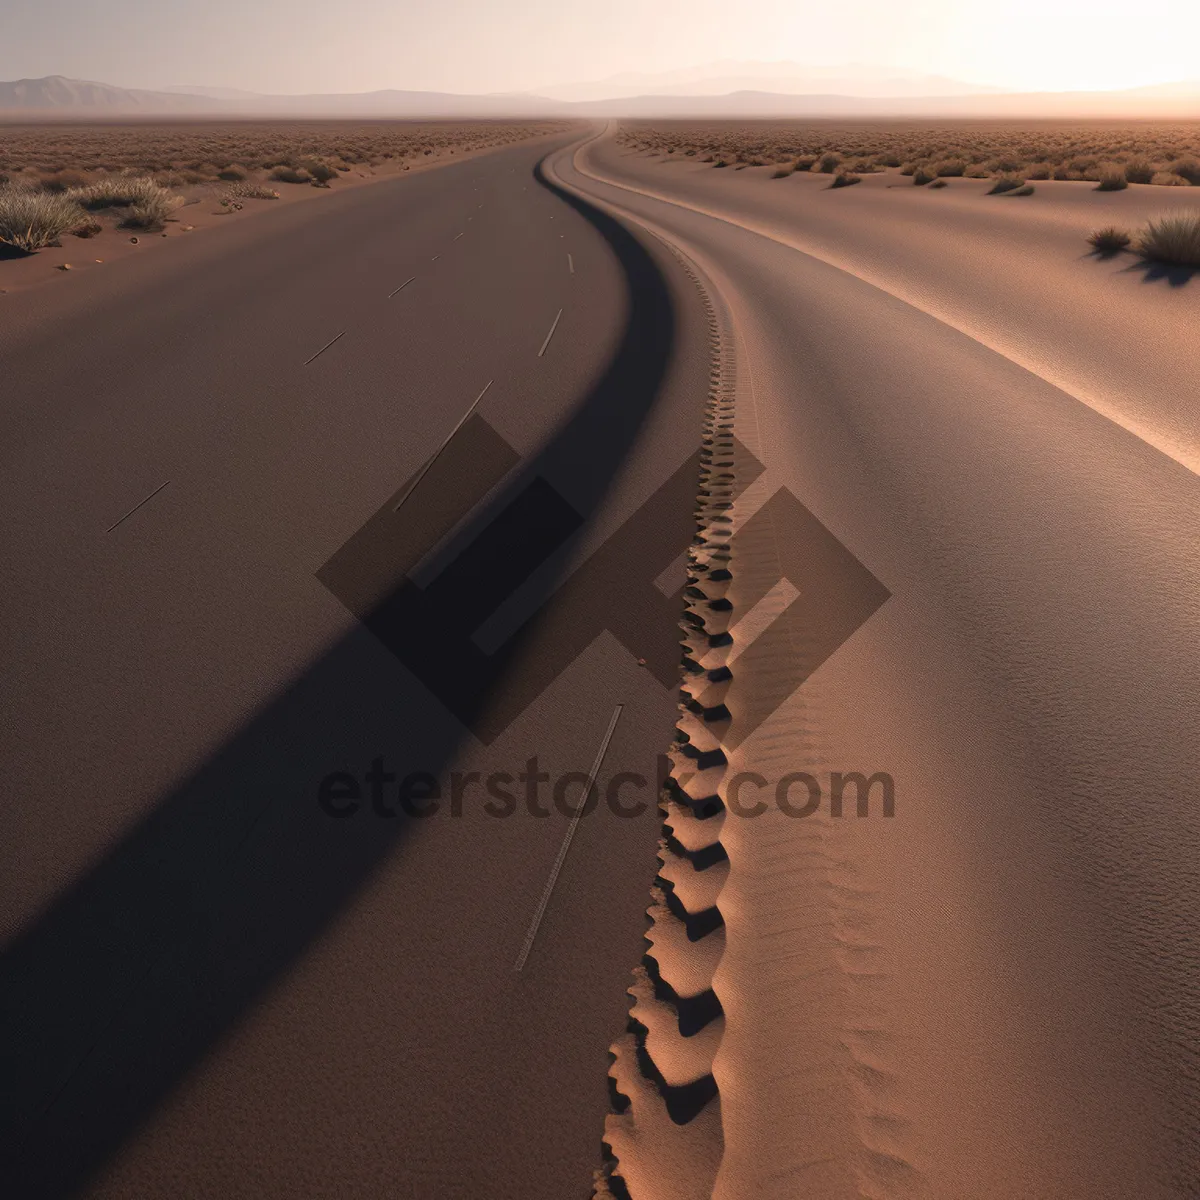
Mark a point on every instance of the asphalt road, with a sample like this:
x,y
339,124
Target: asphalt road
x,y
994,993
257,536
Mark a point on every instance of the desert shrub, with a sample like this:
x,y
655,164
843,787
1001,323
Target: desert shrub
x,y
1007,165
720,163
1006,183
1138,170
782,172
1112,180
1027,190
1109,241
890,160
1189,169
285,174
232,173
828,163
118,191
88,229
938,183
1040,171
151,213
62,181
805,162
845,179
1168,179
952,167
922,176
251,191
322,172
30,220
1173,238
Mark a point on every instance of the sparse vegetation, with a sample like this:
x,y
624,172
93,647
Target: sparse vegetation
x,y
30,219
286,174
63,157
1143,152
1109,241
845,179
938,183
1173,239
251,191
1112,180
921,177
1138,170
118,191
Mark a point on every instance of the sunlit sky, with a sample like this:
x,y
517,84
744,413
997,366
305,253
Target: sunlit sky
x,y
484,46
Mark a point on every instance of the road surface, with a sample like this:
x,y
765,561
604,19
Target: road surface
x,y
222,462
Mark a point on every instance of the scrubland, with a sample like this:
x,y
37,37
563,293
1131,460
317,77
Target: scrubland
x,y
85,178
1137,152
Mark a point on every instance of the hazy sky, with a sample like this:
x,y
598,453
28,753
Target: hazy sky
x,y
481,45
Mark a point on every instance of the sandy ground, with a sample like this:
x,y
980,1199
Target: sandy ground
x,y
201,212
995,992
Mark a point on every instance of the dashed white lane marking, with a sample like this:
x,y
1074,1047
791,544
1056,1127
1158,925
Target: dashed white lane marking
x,y
324,348
402,286
137,506
449,437
570,264
458,235
550,334
566,845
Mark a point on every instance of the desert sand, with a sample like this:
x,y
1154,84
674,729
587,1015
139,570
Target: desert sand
x,y
993,993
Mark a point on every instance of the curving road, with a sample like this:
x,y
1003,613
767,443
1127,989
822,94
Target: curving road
x,y
263,558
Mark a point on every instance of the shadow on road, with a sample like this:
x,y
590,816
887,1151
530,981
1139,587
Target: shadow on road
x,y
134,973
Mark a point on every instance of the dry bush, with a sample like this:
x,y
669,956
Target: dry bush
x,y
1109,241
1173,238
151,213
251,191
31,219
951,167
1138,170
921,176
1189,169
829,163
285,174
782,172
322,172
1168,179
1112,180
118,191
938,183
1006,183
845,179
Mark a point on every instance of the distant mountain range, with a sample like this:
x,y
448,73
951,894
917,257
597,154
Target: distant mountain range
x,y
788,78
702,92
